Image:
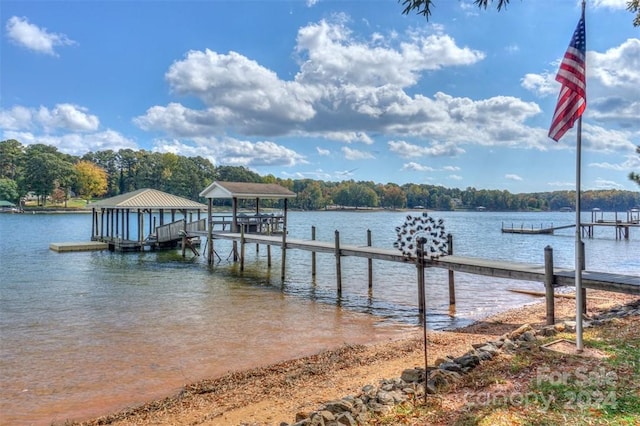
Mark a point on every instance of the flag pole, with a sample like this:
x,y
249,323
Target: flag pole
x,y
579,252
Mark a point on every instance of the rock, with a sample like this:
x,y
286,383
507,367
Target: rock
x,y
570,326
508,345
385,397
346,419
439,361
339,406
464,362
484,356
528,336
488,347
301,416
431,387
547,331
560,327
450,366
412,375
514,335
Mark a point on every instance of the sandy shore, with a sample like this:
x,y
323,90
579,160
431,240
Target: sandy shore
x,y
274,394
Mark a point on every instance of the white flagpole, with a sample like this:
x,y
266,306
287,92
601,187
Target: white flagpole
x,y
579,255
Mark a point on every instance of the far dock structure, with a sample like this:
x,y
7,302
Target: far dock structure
x,y
111,220
621,225
258,223
532,230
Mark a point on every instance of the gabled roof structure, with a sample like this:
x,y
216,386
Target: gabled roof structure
x,y
246,190
147,198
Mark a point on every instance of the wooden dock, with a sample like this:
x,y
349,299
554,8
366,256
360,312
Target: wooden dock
x,y
518,271
78,246
533,231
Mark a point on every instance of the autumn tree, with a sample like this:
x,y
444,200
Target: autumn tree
x,y
91,180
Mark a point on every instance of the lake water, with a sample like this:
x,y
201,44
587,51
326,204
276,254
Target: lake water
x,y
88,333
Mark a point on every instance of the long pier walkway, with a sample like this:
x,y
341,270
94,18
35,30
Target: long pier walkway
x,y
628,284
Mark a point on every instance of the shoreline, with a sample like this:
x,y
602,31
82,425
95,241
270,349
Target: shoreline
x,y
276,393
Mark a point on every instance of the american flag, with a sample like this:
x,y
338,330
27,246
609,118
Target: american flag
x,y
572,100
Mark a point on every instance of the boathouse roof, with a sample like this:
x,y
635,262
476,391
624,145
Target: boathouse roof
x,y
147,198
246,190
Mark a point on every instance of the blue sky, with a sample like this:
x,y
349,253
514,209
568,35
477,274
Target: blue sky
x,y
328,90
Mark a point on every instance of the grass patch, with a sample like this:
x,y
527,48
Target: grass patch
x,y
535,387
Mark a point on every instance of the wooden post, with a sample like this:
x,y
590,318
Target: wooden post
x,y
268,255
210,232
548,284
284,253
370,261
184,237
242,248
452,283
313,253
338,264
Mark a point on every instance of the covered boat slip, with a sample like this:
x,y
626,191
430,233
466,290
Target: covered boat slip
x,y
111,220
258,223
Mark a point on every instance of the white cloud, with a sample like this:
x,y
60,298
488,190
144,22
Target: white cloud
x,y
408,150
32,37
607,184
541,84
612,4
63,117
344,90
412,166
630,163
234,152
606,140
322,151
75,143
455,177
355,154
513,177
451,168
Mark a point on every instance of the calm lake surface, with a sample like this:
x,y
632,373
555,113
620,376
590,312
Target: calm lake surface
x,y
84,334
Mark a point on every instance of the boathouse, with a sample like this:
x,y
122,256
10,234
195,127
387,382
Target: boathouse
x,y
111,220
256,223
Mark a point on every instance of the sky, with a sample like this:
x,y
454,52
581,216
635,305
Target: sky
x,y
327,89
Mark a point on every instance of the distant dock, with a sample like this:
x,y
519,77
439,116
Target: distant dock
x,y
531,230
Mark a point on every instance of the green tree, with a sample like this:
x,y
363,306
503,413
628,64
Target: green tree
x,y
11,157
9,190
423,7
45,170
237,174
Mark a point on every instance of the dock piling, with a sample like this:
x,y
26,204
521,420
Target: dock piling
x,y
338,264
370,261
242,244
548,284
284,252
313,253
452,284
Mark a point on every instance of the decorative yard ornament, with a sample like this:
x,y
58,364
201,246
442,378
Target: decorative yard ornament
x,y
422,227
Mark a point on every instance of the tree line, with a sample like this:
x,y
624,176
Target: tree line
x,y
43,171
